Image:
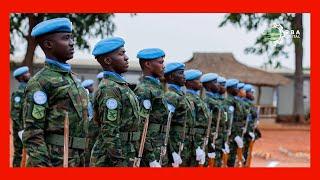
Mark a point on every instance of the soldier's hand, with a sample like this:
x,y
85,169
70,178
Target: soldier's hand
x,y
154,164
176,159
252,135
239,141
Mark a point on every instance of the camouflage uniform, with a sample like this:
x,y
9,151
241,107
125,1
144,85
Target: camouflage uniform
x,y
151,90
214,103
44,118
253,118
17,98
239,119
93,129
201,123
116,109
182,124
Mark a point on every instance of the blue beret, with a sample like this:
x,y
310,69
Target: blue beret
x,y
150,53
192,74
107,45
87,83
100,75
247,87
232,83
240,85
221,80
170,67
52,25
20,71
208,77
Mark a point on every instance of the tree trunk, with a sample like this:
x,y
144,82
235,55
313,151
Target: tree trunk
x,y
31,44
298,108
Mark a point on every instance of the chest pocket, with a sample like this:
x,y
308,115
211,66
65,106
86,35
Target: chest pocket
x,y
134,103
60,89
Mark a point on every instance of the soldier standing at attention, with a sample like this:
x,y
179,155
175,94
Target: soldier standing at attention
x,y
224,110
151,97
116,109
52,95
93,128
238,120
201,111
22,75
209,82
253,132
182,117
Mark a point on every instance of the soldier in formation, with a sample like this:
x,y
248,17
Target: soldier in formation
x,y
194,120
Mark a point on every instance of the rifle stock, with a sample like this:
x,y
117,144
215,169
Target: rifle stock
x,y
137,160
163,150
225,155
249,158
66,141
211,161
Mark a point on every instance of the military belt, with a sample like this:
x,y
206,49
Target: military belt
x,y
130,136
238,124
74,142
155,127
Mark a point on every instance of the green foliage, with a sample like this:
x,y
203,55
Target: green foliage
x,y
85,26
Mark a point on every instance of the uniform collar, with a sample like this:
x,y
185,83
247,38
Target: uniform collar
x,y
193,92
58,66
152,79
213,95
114,76
22,84
238,98
175,87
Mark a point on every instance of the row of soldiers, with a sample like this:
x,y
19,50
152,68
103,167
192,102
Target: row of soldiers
x,y
172,118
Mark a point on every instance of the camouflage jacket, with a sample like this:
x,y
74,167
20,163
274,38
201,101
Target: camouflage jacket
x,y
183,117
201,117
252,110
49,95
239,115
17,99
116,109
149,90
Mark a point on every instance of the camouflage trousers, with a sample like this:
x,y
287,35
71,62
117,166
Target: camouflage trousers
x,y
152,150
233,152
76,157
105,153
17,156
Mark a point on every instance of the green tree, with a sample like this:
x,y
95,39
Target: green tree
x,y
85,26
289,21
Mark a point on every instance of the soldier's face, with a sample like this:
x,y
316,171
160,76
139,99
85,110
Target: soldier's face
x,y
250,96
242,93
194,84
60,45
222,89
156,67
119,60
178,77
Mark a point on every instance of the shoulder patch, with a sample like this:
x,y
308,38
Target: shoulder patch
x,y
17,99
40,97
146,104
111,103
38,112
